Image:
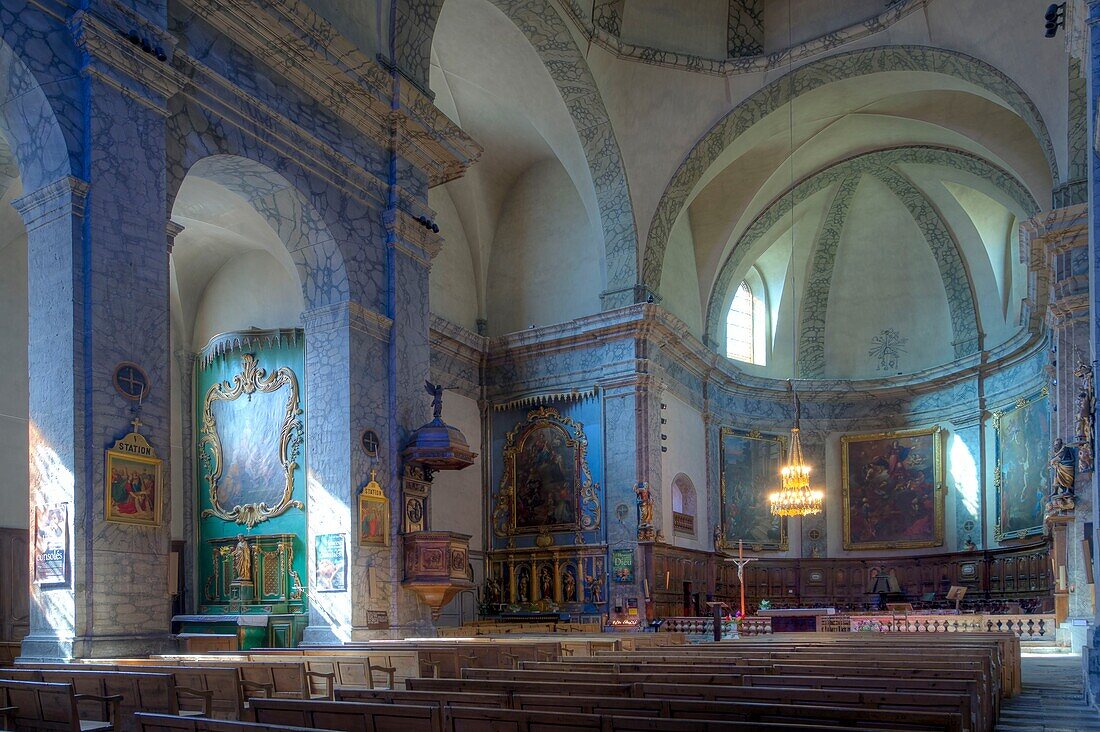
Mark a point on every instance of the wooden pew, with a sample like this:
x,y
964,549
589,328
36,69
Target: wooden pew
x,y
855,717
439,698
510,688
166,723
350,716
32,705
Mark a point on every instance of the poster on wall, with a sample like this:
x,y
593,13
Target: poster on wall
x,y
331,563
893,489
750,466
1021,477
133,482
51,544
622,565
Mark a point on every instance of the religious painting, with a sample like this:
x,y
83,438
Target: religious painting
x,y
622,565
133,478
893,486
331,572
249,438
51,544
750,471
546,484
1022,467
374,515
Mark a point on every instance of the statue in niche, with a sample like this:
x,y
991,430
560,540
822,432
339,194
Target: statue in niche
x,y
595,589
436,390
1063,463
569,585
242,561
546,584
523,583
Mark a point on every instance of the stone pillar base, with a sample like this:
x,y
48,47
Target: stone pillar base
x,y
54,649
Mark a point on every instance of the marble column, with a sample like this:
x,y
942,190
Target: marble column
x,y
98,295
1091,653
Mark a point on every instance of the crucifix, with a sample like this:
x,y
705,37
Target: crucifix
x,y
741,561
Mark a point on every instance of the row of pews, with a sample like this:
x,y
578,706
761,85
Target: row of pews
x,y
900,681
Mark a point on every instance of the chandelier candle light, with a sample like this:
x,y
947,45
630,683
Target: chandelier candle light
x,y
795,496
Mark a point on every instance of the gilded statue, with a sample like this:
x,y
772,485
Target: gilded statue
x,y
1084,409
645,504
1063,464
242,560
569,584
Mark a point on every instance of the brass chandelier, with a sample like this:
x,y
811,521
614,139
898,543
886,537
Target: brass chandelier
x,y
795,497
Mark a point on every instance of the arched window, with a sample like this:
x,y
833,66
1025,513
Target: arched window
x,y
741,325
683,505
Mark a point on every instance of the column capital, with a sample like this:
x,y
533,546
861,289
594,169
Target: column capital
x,y
64,197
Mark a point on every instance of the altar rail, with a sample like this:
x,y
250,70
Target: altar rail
x,y
705,626
1026,627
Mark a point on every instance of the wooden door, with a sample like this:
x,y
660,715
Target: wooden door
x,y
14,584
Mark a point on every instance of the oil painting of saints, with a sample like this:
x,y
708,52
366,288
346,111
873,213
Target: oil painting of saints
x,y
132,491
1023,463
750,466
249,430
545,474
892,490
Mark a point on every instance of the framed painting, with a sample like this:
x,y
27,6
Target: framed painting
x,y
547,485
1022,474
893,489
374,515
331,568
133,482
250,434
749,471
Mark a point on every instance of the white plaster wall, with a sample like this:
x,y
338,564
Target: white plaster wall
x,y
688,26
885,278
679,280
547,256
14,480
809,19
253,289
452,285
686,454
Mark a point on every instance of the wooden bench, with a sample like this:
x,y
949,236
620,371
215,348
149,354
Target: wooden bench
x,y
34,705
439,698
350,716
167,723
746,711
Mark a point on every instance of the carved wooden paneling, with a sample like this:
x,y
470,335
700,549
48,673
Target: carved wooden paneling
x,y
14,584
1014,573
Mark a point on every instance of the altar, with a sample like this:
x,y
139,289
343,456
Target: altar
x,y
797,619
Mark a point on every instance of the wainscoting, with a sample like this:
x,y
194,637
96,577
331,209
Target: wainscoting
x,y
14,581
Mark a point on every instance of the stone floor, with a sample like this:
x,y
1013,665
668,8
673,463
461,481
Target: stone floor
x,y
1052,700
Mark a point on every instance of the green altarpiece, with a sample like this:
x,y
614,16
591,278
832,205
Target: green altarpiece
x,y
250,476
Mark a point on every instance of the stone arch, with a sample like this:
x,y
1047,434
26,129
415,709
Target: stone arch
x,y
414,26
316,255
845,175
807,78
685,501
37,149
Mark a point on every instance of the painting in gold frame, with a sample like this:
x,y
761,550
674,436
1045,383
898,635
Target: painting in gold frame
x,y
893,489
750,464
374,515
133,482
1022,473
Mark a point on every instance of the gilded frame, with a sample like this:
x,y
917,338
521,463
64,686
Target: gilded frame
x,y
584,490
133,449
999,533
251,379
939,478
784,540
373,502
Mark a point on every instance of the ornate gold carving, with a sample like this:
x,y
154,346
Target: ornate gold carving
x,y
250,380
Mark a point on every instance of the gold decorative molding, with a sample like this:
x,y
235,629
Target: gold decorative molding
x,y
250,380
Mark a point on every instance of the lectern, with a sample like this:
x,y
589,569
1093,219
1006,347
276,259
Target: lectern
x,y
716,609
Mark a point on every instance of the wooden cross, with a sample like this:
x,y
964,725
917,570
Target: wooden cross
x,y
741,561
